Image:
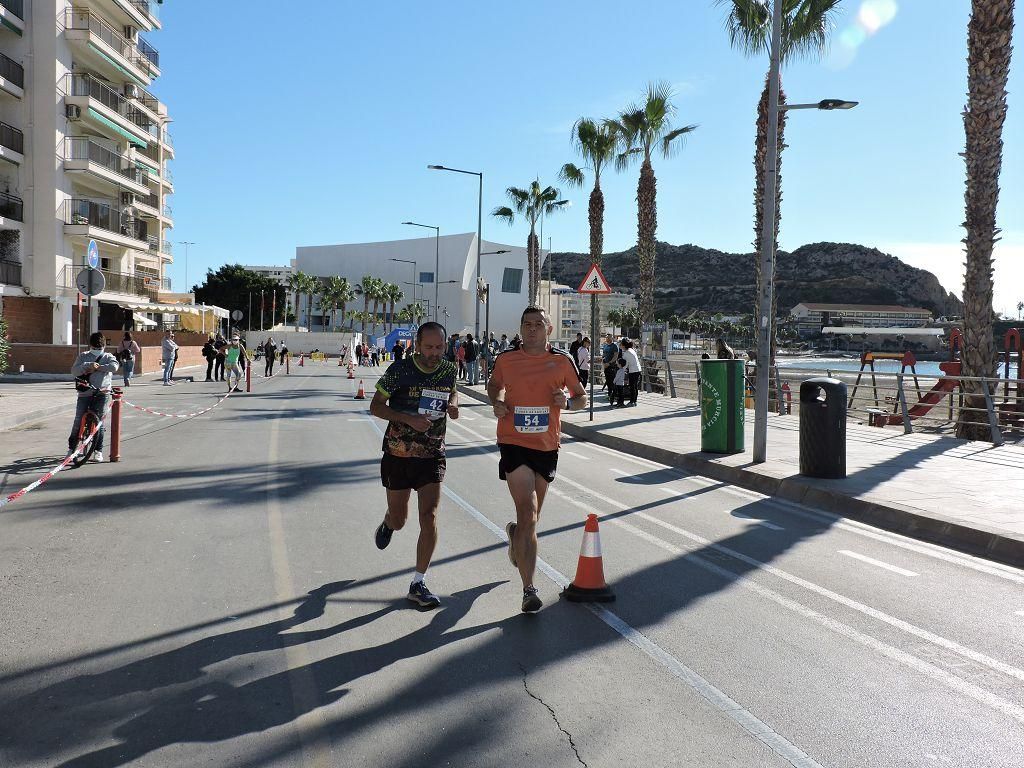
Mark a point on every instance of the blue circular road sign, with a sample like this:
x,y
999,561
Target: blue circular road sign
x,y
93,255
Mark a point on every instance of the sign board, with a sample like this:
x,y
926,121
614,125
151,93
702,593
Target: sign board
x,y
92,255
237,315
90,282
594,282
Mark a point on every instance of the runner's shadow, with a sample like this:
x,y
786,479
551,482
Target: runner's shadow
x,y
31,465
217,710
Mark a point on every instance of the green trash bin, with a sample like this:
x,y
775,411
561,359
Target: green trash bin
x,y
721,406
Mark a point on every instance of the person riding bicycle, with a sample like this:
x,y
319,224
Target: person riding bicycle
x,y
95,369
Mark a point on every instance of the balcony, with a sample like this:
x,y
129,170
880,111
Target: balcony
x,y
12,15
165,247
105,46
103,221
85,154
11,207
151,153
148,204
142,13
12,144
151,54
10,272
108,110
12,76
167,178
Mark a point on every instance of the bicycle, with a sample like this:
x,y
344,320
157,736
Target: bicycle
x,y
88,427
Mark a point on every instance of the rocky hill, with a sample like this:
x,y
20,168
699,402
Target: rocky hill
x,y
693,278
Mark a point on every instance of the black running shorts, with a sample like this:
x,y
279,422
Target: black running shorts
x,y
544,463
399,473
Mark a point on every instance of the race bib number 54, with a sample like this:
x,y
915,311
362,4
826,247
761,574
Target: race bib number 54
x,y
433,403
529,419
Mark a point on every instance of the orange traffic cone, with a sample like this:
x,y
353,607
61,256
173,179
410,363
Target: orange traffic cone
x,y
360,395
351,370
300,361
589,585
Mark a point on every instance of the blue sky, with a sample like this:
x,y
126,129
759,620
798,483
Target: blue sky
x,y
315,126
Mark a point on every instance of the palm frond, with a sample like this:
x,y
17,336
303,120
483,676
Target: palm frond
x,y
806,27
625,159
572,175
504,212
669,145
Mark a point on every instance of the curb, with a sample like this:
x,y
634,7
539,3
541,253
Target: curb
x,y
971,541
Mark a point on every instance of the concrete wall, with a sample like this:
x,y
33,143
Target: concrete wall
x,y
58,358
300,342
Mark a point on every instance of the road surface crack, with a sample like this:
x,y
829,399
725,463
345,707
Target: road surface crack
x,y
532,695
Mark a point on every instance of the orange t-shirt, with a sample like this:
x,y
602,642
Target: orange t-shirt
x,y
529,381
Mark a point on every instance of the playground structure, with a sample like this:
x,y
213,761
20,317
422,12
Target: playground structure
x,y
1009,412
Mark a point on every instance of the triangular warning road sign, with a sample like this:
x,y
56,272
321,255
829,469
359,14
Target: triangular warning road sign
x,y
594,282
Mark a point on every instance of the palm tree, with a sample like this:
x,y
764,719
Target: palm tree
x,y
343,295
615,319
325,304
417,311
805,28
394,294
379,297
1020,309
297,284
530,203
405,315
641,129
367,285
334,289
596,144
301,283
989,37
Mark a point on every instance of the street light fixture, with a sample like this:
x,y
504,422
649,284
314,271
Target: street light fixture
x,y
186,243
479,226
765,321
437,255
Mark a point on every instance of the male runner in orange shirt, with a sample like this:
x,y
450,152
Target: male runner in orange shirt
x,y
527,390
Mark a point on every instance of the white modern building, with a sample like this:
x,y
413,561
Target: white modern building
x,y
812,317
570,310
84,152
438,273
279,275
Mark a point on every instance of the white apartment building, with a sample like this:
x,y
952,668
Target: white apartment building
x,y
279,275
94,165
570,311
811,317
437,273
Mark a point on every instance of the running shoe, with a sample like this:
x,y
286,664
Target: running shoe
x,y
423,597
531,600
97,457
510,531
382,536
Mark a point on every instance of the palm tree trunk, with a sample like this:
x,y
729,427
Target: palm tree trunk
x,y
646,226
309,311
596,215
366,313
760,160
533,264
989,35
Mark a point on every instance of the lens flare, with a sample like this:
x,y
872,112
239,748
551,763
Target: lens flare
x,y
872,16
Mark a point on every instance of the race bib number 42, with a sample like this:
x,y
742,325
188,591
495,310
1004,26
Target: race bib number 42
x,y
433,403
529,419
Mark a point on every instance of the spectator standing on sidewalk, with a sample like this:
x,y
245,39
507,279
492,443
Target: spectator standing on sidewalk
x,y
168,353
632,370
472,357
397,352
284,352
233,354
574,347
270,355
460,356
583,358
504,345
99,366
609,358
618,380
127,351
210,353
218,370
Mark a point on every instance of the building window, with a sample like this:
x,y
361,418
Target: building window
x,y
426,277
512,280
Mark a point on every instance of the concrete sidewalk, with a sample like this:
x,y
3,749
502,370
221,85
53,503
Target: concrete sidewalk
x,y
962,495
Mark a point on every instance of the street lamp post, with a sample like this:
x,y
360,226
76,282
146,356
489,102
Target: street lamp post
x,y
186,243
479,227
437,256
765,328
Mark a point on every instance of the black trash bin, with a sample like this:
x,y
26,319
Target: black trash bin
x,y
823,428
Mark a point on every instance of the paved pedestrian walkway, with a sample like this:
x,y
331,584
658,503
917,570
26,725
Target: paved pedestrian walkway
x,y
964,495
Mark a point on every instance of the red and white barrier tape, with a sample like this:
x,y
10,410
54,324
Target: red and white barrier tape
x,y
144,409
63,465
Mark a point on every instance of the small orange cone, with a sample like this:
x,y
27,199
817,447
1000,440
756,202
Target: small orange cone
x,y
351,370
360,395
589,585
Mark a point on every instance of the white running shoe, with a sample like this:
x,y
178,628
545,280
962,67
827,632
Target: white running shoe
x,y
97,456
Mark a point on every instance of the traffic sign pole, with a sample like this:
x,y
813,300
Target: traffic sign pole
x,y
594,283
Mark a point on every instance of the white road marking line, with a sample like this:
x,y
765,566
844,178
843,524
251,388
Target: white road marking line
x,y
905,626
359,419
878,563
619,472
1020,613
572,453
466,416
764,523
670,491
749,722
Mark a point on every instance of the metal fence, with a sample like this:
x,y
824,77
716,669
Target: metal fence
x,y
912,401
105,216
12,70
82,148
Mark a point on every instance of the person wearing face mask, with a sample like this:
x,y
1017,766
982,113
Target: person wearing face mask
x,y
97,366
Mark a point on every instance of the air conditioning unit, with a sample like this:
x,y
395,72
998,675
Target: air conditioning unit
x,y
127,198
132,91
73,112
130,32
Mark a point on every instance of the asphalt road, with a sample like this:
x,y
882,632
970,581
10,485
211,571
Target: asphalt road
x,y
216,599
